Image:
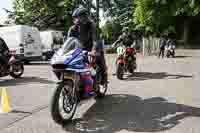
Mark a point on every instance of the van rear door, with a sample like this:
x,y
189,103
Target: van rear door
x,y
57,38
32,42
12,38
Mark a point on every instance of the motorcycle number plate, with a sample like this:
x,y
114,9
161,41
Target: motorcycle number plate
x,y
67,76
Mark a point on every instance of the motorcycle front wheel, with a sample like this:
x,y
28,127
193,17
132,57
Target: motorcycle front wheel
x,y
131,70
17,70
173,54
120,71
63,103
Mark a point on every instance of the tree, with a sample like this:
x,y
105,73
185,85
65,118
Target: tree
x,y
159,16
118,10
186,10
119,14
152,16
111,31
42,13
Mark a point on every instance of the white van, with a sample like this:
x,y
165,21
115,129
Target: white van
x,y
51,42
23,40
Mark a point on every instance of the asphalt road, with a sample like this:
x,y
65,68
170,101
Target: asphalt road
x,y
162,96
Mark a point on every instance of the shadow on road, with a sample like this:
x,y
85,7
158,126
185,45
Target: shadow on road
x,y
126,112
20,112
24,80
38,64
182,56
140,76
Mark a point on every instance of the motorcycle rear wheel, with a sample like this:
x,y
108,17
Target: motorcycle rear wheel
x,y
20,70
69,102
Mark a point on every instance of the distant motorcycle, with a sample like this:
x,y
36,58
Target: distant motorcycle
x,y
68,64
171,51
126,61
14,68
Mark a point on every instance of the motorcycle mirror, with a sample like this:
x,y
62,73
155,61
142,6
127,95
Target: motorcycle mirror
x,y
84,52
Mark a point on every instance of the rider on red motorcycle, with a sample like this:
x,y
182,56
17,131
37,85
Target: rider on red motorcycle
x,y
126,39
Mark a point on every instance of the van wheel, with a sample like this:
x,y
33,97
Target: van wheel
x,y
27,62
44,58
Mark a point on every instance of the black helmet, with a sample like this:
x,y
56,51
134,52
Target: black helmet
x,y
79,12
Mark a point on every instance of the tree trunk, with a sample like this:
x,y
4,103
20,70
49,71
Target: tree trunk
x,y
97,13
88,5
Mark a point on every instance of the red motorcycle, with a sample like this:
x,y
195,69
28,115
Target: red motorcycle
x,y
126,61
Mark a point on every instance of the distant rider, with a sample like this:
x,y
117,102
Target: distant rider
x,y
162,47
170,44
126,39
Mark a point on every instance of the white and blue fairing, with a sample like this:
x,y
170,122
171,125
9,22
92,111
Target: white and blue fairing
x,y
71,55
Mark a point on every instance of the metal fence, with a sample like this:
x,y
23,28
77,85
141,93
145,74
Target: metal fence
x,y
146,46
149,46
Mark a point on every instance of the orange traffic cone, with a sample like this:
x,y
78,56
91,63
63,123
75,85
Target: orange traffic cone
x,y
5,107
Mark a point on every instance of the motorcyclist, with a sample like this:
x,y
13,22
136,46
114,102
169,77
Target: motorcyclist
x,y
4,55
162,47
126,39
85,30
4,51
170,46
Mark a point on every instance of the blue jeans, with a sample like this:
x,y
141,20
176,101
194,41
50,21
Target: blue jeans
x,y
100,68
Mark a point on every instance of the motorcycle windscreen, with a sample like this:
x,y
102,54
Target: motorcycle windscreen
x,y
70,50
70,44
